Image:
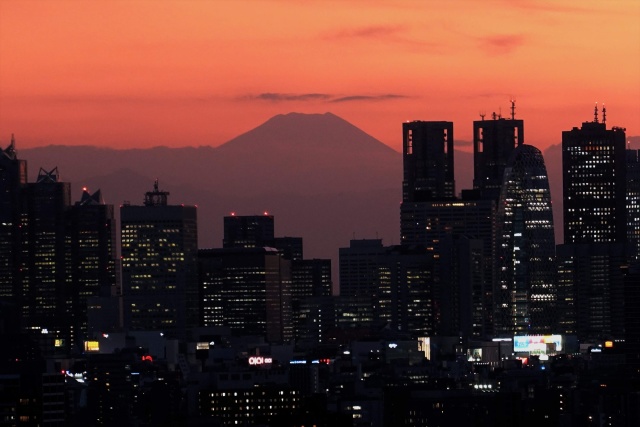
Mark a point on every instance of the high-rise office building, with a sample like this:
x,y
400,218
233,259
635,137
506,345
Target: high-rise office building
x,y
437,226
525,292
493,142
44,273
248,290
159,264
594,183
430,214
92,230
13,178
591,280
396,281
248,231
594,255
428,161
633,205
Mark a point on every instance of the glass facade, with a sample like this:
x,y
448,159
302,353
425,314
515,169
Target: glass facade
x,y
525,294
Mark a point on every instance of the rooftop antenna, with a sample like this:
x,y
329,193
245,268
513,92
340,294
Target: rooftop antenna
x,y
604,114
494,115
513,109
482,115
595,113
11,149
499,112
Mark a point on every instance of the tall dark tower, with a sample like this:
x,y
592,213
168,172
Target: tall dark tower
x,y
493,142
525,295
428,161
633,205
44,272
91,227
594,183
159,264
592,259
13,178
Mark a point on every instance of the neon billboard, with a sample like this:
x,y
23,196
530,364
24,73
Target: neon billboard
x,y
538,344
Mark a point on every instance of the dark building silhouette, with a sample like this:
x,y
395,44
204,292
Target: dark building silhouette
x,y
436,226
54,256
159,264
247,290
396,281
633,205
44,273
248,231
525,293
13,178
309,279
593,259
493,142
591,281
462,307
92,230
594,183
428,161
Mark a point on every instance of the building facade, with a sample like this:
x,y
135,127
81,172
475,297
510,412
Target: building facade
x,y
159,264
493,142
427,161
525,292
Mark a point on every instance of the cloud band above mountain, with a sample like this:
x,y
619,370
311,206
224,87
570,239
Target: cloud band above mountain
x,y
322,97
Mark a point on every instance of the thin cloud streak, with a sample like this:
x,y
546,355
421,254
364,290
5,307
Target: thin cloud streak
x,y
280,97
368,98
501,44
375,31
314,97
394,34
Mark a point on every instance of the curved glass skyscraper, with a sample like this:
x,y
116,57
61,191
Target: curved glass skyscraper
x,y
525,291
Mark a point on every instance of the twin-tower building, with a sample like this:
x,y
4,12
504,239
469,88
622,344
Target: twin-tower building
x,y
496,271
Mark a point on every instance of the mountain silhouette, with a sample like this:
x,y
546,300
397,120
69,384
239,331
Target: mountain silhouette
x,y
321,177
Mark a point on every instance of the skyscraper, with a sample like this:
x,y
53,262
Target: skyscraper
x,y
248,290
159,264
13,178
428,161
493,142
633,205
593,257
92,232
525,293
44,272
594,183
436,226
395,281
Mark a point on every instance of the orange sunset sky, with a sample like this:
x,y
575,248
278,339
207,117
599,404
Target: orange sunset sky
x,y
187,73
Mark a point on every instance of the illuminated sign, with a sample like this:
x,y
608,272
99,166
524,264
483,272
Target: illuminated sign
x,y
608,344
474,354
393,345
147,358
58,343
259,360
536,343
202,346
91,346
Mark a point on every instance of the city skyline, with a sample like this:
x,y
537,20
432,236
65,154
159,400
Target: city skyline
x,y
142,74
